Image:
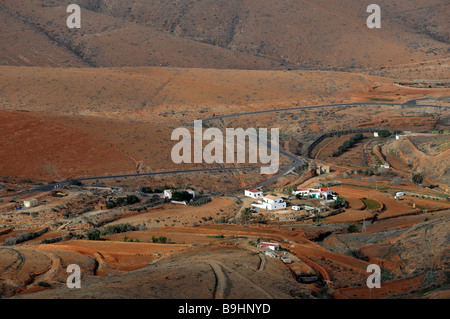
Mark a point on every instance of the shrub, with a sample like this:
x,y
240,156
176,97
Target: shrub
x,y
116,229
352,229
120,201
221,220
75,182
94,234
340,202
131,199
417,178
246,213
181,196
23,237
53,240
348,144
159,240
10,241
147,190
384,133
201,201
368,172
358,254
110,204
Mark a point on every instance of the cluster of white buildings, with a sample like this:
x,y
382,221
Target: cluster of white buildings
x,y
269,202
319,193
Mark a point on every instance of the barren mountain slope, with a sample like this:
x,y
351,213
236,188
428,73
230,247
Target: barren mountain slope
x,y
239,34
105,41
433,160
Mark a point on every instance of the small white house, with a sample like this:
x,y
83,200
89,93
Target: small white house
x,y
254,193
301,191
267,245
296,208
321,192
399,194
168,193
271,203
30,203
375,134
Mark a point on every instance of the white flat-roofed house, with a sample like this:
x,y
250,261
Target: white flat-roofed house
x,y
325,192
30,203
301,191
315,193
168,193
271,202
321,192
267,245
253,193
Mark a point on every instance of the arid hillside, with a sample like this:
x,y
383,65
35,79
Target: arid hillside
x,y
184,94
429,155
246,34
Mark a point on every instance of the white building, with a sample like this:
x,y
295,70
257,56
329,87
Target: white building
x,y
321,192
301,191
267,245
168,193
30,203
191,191
271,203
254,193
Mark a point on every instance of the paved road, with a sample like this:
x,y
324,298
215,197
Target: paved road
x,y
296,160
408,103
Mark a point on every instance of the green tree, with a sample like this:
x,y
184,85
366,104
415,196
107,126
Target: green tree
x,y
246,213
94,234
384,133
181,196
340,202
352,229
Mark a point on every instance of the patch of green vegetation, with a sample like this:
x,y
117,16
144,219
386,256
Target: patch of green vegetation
x,y
94,234
434,287
340,202
443,147
352,229
130,240
201,201
181,196
381,99
284,137
121,201
160,239
371,204
358,254
216,236
116,229
348,144
380,188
